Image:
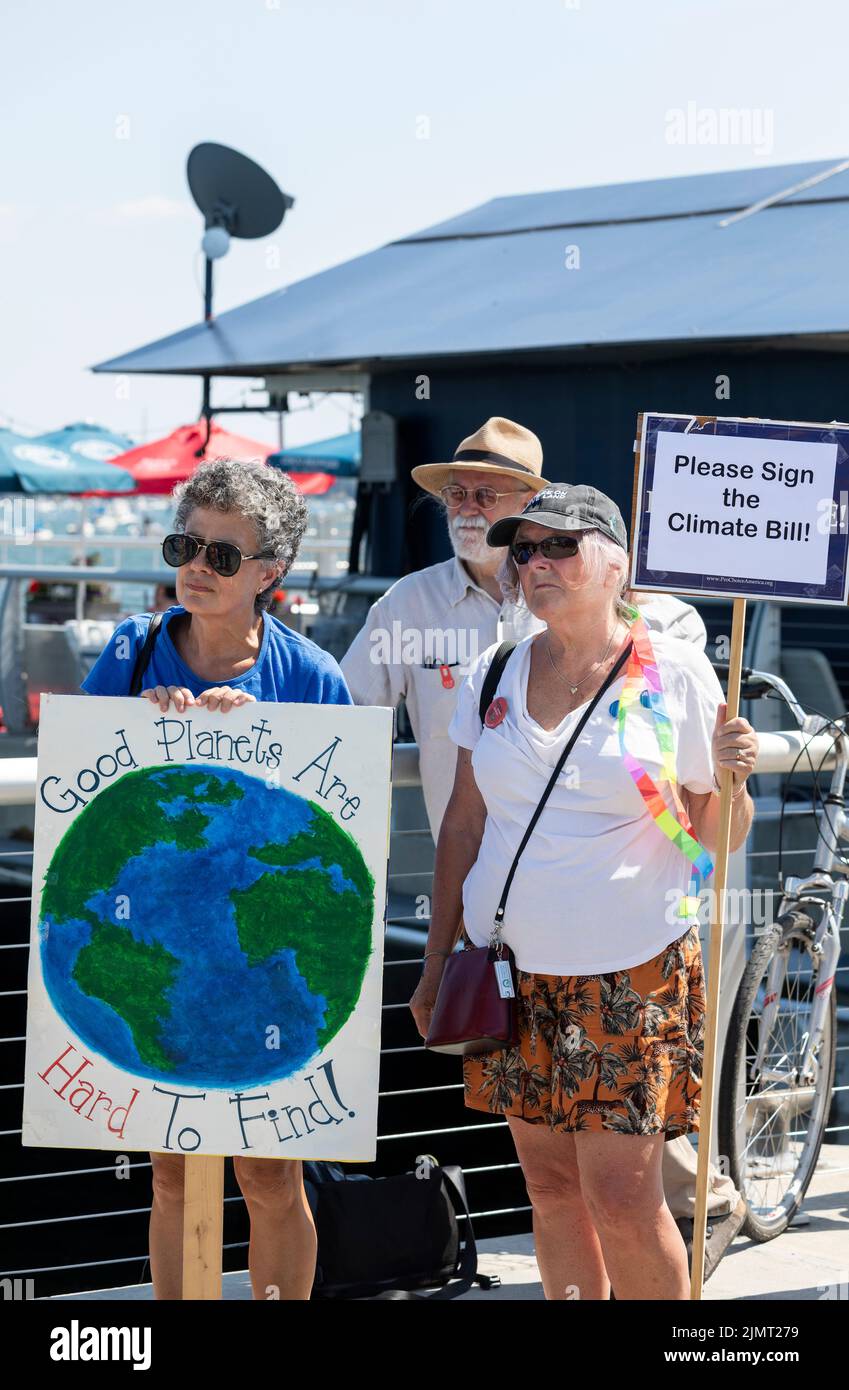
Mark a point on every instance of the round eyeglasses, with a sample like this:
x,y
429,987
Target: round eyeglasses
x,y
553,548
225,558
453,495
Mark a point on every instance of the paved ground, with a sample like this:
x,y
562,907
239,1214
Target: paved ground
x,y
810,1261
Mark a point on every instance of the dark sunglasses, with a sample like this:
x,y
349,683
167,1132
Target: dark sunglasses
x,y
553,548
224,557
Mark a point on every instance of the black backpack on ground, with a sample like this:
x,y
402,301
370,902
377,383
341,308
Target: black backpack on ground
x,y
385,1237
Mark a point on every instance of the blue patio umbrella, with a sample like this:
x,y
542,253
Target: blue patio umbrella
x,y
32,464
339,456
87,440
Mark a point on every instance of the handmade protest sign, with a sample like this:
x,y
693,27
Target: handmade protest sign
x,y
207,928
743,508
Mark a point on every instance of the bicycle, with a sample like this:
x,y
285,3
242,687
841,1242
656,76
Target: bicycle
x,y
779,1058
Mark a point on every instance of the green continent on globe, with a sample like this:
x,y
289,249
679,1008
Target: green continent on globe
x,y
121,825
329,931
132,977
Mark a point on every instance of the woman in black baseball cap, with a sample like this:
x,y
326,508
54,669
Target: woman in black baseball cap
x,y
601,907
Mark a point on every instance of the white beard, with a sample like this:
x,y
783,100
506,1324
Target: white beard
x,y
468,538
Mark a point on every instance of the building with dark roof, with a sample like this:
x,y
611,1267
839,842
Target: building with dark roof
x,y
569,311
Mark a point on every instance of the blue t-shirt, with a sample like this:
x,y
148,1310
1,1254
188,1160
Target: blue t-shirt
x,y
288,668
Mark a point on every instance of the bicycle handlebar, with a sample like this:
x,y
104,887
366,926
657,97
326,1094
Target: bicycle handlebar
x,y
754,685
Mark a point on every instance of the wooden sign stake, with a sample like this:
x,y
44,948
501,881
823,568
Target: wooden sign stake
x,y
203,1226
715,961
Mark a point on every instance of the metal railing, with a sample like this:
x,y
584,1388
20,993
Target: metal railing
x,y
325,544
301,576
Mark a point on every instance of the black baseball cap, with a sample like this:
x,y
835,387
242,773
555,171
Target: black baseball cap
x,y
565,507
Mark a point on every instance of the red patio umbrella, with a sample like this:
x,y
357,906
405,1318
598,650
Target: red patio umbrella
x,y
312,484
158,466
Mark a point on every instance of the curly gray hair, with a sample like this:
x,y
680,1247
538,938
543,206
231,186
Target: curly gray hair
x,y
600,554
266,496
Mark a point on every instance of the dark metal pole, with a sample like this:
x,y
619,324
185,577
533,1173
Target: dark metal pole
x,y
205,411
207,292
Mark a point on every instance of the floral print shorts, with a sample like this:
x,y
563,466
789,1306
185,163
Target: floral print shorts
x,y
620,1052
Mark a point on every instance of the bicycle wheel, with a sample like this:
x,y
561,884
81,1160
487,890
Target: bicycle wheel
x,y
771,1126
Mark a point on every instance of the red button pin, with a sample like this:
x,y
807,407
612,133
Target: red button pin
x,y
447,678
495,713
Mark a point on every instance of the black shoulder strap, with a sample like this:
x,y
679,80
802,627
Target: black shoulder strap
x,y
144,655
493,676
614,671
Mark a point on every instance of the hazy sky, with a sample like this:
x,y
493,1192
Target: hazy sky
x,y
102,102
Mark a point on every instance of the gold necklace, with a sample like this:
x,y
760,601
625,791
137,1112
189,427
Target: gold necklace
x,y
575,688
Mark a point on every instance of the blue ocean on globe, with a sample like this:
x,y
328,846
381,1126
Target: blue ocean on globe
x,y
203,927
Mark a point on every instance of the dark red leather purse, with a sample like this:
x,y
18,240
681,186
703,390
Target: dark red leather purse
x,y
470,1014
475,1008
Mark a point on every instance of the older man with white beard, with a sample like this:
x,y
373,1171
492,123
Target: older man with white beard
x,y
419,641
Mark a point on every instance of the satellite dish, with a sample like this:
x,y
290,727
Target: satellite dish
x,y
235,193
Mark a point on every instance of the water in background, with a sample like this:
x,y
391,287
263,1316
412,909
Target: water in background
x,y
126,532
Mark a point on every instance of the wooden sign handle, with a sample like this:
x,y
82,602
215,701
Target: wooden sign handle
x,y
717,880
203,1226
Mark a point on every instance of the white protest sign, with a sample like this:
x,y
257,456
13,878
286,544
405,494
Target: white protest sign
x,y
745,507
207,928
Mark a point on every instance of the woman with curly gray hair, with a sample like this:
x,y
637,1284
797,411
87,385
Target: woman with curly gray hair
x,y
237,531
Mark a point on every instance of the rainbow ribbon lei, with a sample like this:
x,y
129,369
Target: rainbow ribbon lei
x,y
642,675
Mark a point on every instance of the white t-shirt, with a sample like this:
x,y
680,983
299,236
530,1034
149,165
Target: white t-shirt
x,y
598,884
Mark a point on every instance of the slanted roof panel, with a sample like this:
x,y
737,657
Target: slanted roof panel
x,y
617,202
777,273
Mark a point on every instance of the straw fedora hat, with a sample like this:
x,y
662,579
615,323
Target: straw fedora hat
x,y
499,446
